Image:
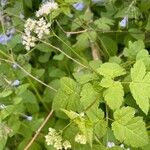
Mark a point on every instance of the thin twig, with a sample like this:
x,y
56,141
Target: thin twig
x,y
38,131
30,75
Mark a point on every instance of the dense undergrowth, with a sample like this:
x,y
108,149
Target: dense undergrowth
x,y
75,74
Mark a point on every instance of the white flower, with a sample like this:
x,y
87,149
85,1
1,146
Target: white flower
x,y
82,115
80,138
29,25
58,145
110,144
66,145
123,23
28,41
128,148
122,145
46,8
49,139
51,131
29,118
42,28
53,138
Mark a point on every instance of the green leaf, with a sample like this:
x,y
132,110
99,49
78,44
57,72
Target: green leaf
x,y
5,93
129,129
56,72
6,112
14,41
82,42
71,114
137,34
109,45
144,56
44,48
67,96
111,70
30,101
84,77
104,23
133,49
89,96
59,57
114,95
140,85
106,82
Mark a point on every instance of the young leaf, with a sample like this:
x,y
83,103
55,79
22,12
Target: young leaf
x,y
84,125
129,129
140,85
111,70
114,95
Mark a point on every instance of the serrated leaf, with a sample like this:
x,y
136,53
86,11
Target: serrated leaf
x,y
106,82
144,56
67,96
84,78
140,85
104,23
133,49
111,70
129,129
89,96
114,95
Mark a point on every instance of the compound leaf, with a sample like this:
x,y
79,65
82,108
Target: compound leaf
x,y
129,129
140,85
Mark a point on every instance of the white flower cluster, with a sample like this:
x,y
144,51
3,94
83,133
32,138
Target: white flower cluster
x,y
46,8
55,139
112,144
33,29
80,138
42,28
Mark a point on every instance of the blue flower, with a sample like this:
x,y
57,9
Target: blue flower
x,y
15,83
4,39
79,6
123,23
